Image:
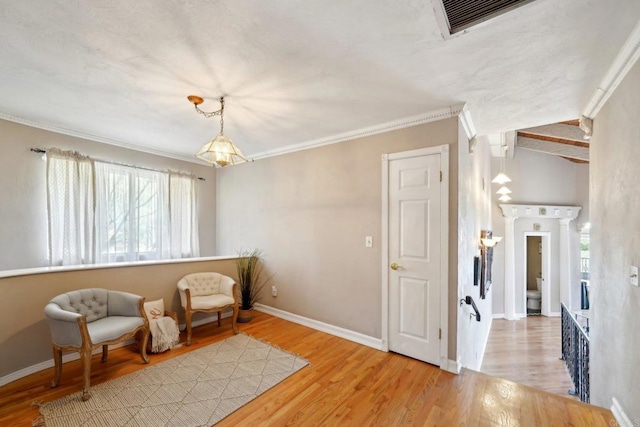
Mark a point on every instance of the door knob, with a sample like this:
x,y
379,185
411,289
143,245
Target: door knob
x,y
395,266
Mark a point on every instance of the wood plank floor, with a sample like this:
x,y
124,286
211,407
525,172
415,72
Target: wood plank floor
x,y
528,351
346,385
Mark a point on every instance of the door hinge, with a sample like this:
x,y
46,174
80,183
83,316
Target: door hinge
x,y
439,334
440,176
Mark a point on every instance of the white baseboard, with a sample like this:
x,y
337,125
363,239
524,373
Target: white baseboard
x,y
209,319
498,316
621,417
322,327
453,366
484,345
554,314
68,357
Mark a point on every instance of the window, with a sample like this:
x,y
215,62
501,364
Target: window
x,y
102,212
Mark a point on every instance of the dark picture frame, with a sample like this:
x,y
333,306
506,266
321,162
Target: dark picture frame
x,y
476,271
486,255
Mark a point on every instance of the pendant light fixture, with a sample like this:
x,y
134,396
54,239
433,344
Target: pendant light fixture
x,y
503,191
502,178
220,151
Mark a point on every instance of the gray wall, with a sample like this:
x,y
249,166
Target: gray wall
x,y
310,212
474,215
540,179
25,339
615,246
23,215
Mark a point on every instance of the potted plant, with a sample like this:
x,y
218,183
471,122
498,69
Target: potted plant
x,y
250,268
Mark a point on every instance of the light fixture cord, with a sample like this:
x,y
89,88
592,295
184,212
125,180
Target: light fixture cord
x,y
222,116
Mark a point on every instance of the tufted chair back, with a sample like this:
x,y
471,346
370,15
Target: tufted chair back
x,y
204,283
91,303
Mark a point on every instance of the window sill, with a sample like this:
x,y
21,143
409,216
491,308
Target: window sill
x,y
64,268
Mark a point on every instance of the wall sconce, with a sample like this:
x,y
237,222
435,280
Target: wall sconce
x,y
489,242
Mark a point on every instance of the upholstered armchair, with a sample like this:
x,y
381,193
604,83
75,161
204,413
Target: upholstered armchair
x,y
86,319
208,293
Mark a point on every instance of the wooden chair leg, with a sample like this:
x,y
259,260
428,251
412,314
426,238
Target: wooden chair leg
x,y
188,322
143,346
234,319
105,352
57,360
219,317
85,355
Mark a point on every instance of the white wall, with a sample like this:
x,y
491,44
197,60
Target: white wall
x,y
542,179
615,246
23,212
474,215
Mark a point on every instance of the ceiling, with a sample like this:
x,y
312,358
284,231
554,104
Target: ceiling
x,y
564,139
294,71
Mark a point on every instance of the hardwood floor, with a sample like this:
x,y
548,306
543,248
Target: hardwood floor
x,y
347,384
528,351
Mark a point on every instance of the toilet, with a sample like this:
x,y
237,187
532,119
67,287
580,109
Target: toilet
x,y
534,297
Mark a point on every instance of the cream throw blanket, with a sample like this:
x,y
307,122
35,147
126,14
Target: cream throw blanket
x,y
165,334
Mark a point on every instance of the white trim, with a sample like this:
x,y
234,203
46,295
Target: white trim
x,y
545,292
484,345
443,150
68,357
453,366
497,316
347,334
467,124
428,117
384,244
621,417
444,254
97,138
626,58
554,314
65,268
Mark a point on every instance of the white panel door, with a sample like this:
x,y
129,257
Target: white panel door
x,y
414,255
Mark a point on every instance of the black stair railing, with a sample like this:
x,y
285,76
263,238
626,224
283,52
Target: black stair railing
x,y
575,353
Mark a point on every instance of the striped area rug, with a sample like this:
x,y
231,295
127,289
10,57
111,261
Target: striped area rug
x,y
199,388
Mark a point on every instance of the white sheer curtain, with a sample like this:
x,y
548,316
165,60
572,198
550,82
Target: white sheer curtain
x,y
70,205
102,212
184,216
132,214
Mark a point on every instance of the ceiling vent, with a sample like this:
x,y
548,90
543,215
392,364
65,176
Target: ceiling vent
x,y
462,14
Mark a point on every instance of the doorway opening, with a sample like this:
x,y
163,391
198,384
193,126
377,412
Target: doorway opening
x,y
535,282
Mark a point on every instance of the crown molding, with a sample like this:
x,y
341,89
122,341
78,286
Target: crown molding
x,y
96,138
621,65
459,110
431,116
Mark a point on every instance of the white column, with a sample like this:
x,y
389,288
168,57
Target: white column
x,y
510,268
565,263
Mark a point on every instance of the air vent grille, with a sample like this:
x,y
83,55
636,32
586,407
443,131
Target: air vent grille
x,y
463,14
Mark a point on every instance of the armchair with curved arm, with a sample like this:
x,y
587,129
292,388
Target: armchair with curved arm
x,y
209,293
86,319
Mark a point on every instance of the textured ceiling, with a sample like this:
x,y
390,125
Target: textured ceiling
x,y
294,71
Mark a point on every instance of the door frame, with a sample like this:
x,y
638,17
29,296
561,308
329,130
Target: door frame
x,y
545,237
443,151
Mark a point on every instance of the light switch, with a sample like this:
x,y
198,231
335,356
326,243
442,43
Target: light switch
x,y
633,279
368,241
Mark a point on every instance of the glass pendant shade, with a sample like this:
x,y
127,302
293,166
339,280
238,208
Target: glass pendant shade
x,y
221,152
503,190
504,198
501,178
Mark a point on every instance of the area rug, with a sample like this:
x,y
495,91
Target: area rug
x,y
198,388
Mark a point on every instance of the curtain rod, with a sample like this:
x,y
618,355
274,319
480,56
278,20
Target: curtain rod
x,y
41,151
